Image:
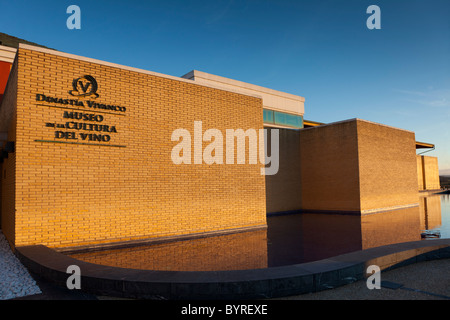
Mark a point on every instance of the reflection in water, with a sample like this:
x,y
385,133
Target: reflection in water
x,y
289,239
430,212
315,236
438,215
246,250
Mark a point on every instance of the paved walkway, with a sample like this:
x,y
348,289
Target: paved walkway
x,y
429,280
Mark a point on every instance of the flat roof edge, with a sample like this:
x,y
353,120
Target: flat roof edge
x,y
6,48
424,145
123,67
241,84
360,120
7,54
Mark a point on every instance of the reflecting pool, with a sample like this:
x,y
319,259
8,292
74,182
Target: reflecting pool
x,y
289,239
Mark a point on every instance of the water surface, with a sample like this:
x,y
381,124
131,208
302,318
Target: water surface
x,y
289,239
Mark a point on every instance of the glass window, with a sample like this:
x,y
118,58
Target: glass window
x,y
290,120
268,116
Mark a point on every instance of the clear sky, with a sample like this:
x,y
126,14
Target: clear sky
x,y
321,50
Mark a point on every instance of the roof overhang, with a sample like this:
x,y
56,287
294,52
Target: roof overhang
x,y
309,123
271,99
7,54
424,145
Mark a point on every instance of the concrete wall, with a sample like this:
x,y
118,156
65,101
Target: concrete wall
x,y
428,173
73,192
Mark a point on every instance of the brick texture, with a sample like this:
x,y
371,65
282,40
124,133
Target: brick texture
x,y
329,167
428,173
357,166
387,166
71,194
283,190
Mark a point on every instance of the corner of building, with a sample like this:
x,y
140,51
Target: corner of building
x,y
387,167
8,148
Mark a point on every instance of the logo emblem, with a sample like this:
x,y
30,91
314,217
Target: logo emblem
x,y
84,86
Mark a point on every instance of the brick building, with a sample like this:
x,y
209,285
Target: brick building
x,y
87,144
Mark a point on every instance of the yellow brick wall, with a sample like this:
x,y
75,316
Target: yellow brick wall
x,y
71,195
432,173
387,166
283,190
329,167
420,173
428,173
357,166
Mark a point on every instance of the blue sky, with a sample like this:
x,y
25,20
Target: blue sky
x,y
321,50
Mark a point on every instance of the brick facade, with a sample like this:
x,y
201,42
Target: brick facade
x,y
352,166
357,166
126,188
283,190
428,173
387,167
97,169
